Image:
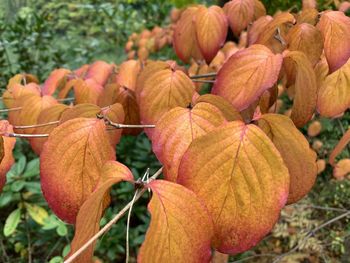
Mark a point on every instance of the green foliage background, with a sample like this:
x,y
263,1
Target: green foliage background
x,y
37,36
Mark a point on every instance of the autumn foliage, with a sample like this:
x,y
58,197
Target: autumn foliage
x,y
230,161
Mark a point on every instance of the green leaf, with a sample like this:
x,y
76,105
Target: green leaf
x,y
56,259
12,222
32,168
50,222
38,213
20,165
17,186
62,230
66,250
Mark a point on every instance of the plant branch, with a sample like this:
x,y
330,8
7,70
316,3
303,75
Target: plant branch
x,y
113,221
11,109
66,99
310,234
213,74
20,135
203,81
36,125
123,126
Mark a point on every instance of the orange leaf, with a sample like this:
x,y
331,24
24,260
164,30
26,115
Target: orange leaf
x,y
180,228
56,79
22,79
70,163
344,6
87,91
182,125
127,74
17,90
246,75
309,16
185,42
259,9
333,96
341,169
108,95
230,113
32,105
257,28
211,30
307,4
321,166
7,145
85,110
268,35
305,86
299,158
90,213
335,28
314,129
308,39
239,13
52,113
321,71
164,90
339,147
241,177
100,71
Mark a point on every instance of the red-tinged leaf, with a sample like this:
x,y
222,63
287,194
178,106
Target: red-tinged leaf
x,y
257,28
180,228
7,144
50,114
335,28
211,30
31,105
339,147
70,164
308,39
185,42
85,110
309,16
268,99
341,169
87,91
239,13
177,128
164,90
100,71
127,74
335,89
230,113
56,79
268,38
108,95
127,98
246,75
240,176
299,158
66,89
17,90
116,114
309,4
81,72
344,6
305,85
90,213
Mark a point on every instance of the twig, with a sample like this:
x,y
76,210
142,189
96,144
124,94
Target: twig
x,y
123,126
310,234
66,99
36,125
112,222
128,226
335,209
343,132
203,81
279,37
11,109
19,135
213,74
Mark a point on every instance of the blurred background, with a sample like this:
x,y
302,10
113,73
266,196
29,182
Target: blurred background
x,y
37,36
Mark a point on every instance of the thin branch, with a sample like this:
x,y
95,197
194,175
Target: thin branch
x,y
11,109
335,209
213,74
66,99
123,126
310,234
279,37
112,222
343,132
203,81
20,135
36,125
128,226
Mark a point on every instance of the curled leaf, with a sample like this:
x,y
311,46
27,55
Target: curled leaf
x,y
295,151
180,228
